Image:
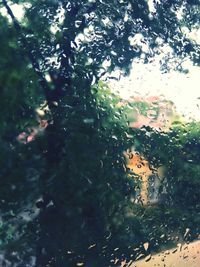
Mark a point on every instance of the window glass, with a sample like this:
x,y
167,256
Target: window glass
x,y
99,133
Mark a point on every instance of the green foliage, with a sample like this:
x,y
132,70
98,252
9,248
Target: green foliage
x,y
19,90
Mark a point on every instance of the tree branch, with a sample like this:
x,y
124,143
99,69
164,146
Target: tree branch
x,y
66,56
42,81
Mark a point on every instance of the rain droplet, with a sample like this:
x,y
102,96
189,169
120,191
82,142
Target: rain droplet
x,y
146,246
187,230
92,246
147,258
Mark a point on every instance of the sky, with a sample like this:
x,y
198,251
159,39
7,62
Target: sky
x,y
148,80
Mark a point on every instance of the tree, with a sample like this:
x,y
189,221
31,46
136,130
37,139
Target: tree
x,y
76,167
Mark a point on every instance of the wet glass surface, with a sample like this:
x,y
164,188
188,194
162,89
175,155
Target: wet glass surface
x,y
99,133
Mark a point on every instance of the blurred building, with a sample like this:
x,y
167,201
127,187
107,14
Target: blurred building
x,y
159,114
